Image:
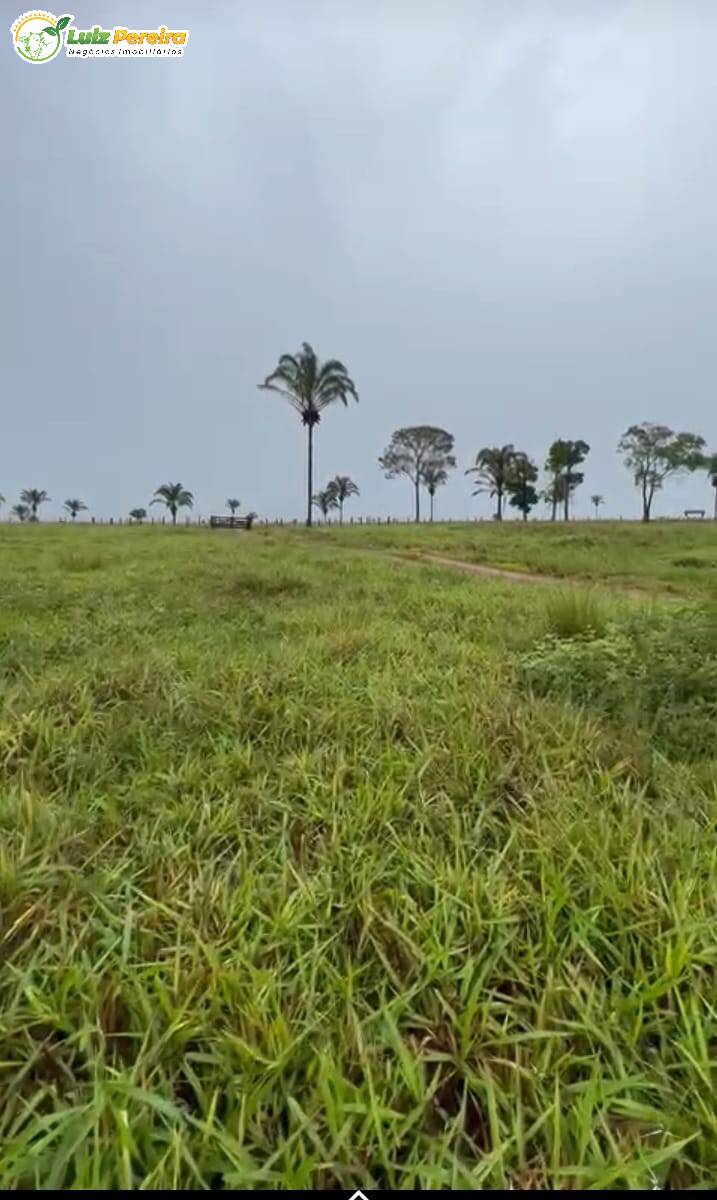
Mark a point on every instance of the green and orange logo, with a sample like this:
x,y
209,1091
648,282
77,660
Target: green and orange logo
x,y
37,36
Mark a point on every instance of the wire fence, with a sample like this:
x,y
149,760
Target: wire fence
x,y
201,522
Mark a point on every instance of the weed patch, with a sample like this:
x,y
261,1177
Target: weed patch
x,y
657,674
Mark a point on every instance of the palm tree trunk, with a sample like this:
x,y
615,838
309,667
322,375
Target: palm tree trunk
x,y
174,516
418,499
341,512
499,510
310,470
431,495
566,502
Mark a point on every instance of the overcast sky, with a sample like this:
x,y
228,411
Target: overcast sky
x,y
500,215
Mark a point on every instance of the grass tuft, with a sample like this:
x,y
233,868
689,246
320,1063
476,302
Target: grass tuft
x,y
575,613
78,561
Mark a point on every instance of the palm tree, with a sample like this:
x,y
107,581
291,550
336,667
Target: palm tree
x,y
433,476
596,501
233,505
711,464
21,511
33,498
2,499
343,488
492,472
75,506
325,500
138,515
310,386
173,496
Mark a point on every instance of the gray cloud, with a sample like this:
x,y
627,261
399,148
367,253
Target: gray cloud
x,y
500,216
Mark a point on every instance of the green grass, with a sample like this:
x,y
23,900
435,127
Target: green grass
x,y
301,886
665,556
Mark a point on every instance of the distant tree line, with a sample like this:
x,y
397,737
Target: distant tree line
x,y
423,454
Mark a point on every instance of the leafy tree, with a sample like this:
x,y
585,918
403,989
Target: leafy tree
x,y
553,493
33,498
310,386
138,515
492,470
554,489
74,506
343,488
711,465
563,459
233,505
433,476
173,496
325,500
412,449
520,484
21,511
655,453
596,501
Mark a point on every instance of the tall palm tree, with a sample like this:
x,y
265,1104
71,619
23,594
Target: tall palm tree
x,y
33,498
75,506
433,476
173,496
343,488
21,511
492,471
310,386
712,472
138,515
325,501
233,505
596,501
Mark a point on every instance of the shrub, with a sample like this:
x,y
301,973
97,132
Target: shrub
x,y
691,561
658,674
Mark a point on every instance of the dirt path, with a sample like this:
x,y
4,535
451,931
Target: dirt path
x,y
481,569
456,564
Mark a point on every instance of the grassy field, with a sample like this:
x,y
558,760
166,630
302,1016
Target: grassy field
x,y
319,871
670,556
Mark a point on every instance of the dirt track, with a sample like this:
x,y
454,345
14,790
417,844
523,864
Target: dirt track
x,y
481,569
437,560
